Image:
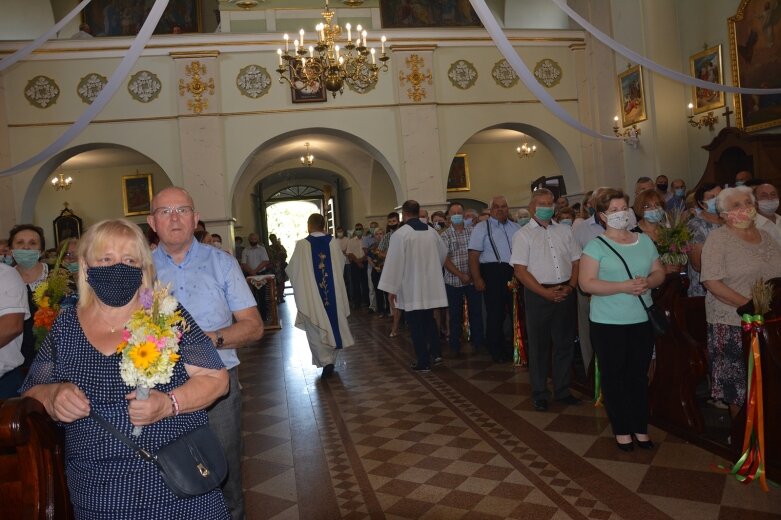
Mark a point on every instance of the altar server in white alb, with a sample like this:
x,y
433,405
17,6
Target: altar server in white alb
x,y
412,277
315,272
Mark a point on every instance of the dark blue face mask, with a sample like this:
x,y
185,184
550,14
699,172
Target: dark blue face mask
x,y
115,285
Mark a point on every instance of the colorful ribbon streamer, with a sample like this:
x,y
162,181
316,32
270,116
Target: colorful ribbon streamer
x,y
598,397
751,464
466,333
519,348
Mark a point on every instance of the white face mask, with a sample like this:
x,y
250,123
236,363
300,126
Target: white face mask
x,y
617,220
768,206
424,220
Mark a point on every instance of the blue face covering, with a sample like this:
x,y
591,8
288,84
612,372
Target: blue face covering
x,y
680,192
26,258
468,222
457,219
8,259
566,221
523,221
543,213
739,183
73,267
115,285
711,206
653,216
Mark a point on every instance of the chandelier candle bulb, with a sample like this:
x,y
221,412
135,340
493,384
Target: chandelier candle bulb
x,y
373,60
691,109
382,42
287,43
301,32
336,53
349,34
279,52
295,43
364,38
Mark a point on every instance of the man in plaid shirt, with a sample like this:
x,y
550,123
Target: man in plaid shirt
x,y
458,282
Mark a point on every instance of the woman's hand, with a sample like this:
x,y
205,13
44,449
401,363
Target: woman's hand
x,y
636,286
149,411
67,403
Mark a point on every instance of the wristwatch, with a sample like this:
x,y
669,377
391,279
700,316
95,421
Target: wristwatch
x,y
220,339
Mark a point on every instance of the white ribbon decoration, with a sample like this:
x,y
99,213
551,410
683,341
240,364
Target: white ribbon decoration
x,y
30,47
116,80
507,50
659,69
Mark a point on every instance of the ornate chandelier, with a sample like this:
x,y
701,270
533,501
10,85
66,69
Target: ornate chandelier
x,y
307,159
61,182
525,150
327,64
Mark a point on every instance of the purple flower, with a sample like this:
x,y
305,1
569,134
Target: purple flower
x,y
147,298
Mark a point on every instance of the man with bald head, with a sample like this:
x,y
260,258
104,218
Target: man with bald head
x,y
209,283
490,249
768,219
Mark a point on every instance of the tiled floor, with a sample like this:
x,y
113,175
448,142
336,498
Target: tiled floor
x,y
379,441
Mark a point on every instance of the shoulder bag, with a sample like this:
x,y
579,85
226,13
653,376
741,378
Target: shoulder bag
x,y
656,315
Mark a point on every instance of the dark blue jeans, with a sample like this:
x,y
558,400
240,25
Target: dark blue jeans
x,y
425,336
455,300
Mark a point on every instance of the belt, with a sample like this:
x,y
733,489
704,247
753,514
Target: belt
x,y
549,285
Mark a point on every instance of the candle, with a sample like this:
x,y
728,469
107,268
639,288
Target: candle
x,y
279,51
322,32
349,34
311,51
301,32
691,109
341,60
373,51
287,43
295,43
364,38
616,119
336,49
382,42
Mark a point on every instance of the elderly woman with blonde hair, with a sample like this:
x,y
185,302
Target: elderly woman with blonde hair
x,y
77,371
734,257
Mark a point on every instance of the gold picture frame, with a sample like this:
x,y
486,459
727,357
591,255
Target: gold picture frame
x,y
458,176
706,65
755,58
632,96
137,194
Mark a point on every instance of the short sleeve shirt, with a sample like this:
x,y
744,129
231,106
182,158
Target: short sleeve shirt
x,y
457,243
13,300
547,252
502,234
699,228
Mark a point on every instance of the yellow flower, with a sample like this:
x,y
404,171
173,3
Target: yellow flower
x,y
174,357
144,355
121,346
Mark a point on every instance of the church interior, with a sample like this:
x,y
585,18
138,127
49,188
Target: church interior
x,y
438,112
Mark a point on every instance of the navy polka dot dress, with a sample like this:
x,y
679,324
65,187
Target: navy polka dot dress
x,y
105,478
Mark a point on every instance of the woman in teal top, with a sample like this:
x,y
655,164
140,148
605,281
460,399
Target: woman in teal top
x,y
620,331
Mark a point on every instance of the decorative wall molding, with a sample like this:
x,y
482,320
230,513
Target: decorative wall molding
x,y
548,72
462,74
415,77
144,86
41,92
197,87
504,75
90,86
253,81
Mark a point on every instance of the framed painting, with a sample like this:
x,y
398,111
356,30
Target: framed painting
x,y
756,62
137,194
66,226
706,65
425,13
458,177
632,97
125,17
313,92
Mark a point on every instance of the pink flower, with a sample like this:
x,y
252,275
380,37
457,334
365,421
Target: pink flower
x,y
125,335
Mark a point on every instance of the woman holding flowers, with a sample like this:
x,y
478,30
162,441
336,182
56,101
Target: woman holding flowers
x,y
124,335
734,257
650,207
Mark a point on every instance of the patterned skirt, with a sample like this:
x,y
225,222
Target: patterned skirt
x,y
727,363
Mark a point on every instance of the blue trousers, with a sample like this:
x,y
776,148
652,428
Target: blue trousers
x,y
455,301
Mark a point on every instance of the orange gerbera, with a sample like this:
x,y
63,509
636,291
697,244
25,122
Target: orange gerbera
x,y
44,317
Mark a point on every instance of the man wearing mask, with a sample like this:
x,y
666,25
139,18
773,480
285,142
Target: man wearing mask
x,y
357,257
490,249
545,260
767,206
254,261
677,202
438,221
742,177
5,253
470,217
662,184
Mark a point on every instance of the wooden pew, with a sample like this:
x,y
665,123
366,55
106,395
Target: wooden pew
x,y
32,471
680,360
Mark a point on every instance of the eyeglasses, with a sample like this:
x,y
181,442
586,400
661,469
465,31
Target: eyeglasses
x,y
182,211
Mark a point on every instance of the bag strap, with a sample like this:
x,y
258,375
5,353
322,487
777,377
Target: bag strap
x,y
141,452
491,239
625,267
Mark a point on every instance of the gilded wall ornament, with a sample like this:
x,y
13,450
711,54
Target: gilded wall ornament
x,y
416,78
504,75
462,74
548,72
90,86
144,86
196,87
253,81
41,91
361,82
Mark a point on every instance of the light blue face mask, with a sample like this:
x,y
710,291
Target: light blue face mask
x,y
457,219
468,222
73,267
711,206
26,258
680,192
654,216
523,221
544,213
8,259
739,183
566,221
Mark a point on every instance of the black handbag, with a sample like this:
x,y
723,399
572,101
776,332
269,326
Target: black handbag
x,y
656,315
191,465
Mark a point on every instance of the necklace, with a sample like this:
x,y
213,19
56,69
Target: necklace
x,y
111,328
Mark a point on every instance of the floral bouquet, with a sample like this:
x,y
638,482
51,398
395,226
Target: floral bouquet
x,y
673,242
150,342
48,296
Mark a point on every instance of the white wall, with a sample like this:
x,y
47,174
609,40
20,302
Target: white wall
x,y
25,19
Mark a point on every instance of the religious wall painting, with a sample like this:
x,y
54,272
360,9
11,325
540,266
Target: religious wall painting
x,y
66,226
253,81
312,91
425,13
458,177
137,194
631,96
144,86
42,92
755,54
126,17
90,86
462,74
706,65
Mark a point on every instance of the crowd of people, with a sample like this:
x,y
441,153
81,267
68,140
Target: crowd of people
x,y
586,273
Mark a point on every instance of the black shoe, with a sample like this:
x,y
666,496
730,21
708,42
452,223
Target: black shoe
x,y
328,371
570,400
420,368
625,447
541,405
644,445
437,360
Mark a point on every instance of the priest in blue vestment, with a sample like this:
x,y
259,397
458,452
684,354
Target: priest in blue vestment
x,y
320,295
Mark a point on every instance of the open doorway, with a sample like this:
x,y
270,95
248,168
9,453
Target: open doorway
x,y
287,220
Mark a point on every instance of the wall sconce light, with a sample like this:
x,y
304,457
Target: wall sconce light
x,y
630,136
708,119
525,150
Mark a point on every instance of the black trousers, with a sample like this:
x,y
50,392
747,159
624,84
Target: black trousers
x,y
498,303
425,336
624,354
382,297
360,284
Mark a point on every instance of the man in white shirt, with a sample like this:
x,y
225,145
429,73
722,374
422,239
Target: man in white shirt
x,y
13,311
357,258
545,260
767,206
254,261
412,277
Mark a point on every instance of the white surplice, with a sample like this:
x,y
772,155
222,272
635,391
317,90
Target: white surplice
x,y
413,269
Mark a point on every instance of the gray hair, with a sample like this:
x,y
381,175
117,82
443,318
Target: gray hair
x,y
728,193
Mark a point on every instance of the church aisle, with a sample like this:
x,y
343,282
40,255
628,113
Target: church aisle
x,y
379,441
